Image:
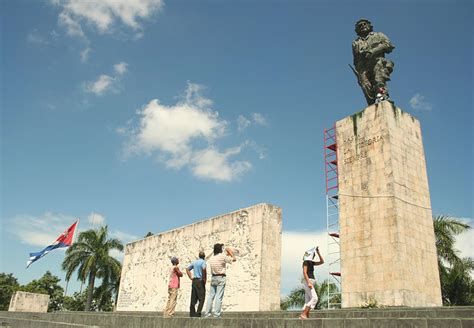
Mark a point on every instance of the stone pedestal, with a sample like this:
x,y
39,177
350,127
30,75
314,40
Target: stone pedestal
x,y
28,302
253,281
388,250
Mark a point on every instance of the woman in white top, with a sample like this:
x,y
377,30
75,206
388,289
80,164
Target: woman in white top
x,y
309,262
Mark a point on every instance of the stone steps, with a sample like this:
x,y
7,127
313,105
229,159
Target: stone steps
x,y
13,322
456,317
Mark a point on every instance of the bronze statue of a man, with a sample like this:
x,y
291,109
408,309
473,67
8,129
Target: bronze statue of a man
x,y
371,67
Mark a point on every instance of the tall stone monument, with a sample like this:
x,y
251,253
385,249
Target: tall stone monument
x,y
253,281
388,250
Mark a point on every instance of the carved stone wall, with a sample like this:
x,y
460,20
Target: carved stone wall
x,y
28,302
388,247
253,281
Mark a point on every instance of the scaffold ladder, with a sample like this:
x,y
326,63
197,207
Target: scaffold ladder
x,y
332,212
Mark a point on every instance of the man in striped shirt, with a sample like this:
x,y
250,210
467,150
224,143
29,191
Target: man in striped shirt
x,y
218,264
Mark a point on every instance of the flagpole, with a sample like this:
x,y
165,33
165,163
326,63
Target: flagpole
x,y
65,290
73,237
74,234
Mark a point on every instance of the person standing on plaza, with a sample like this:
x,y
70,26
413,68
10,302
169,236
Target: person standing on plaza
x,y
198,287
309,262
173,287
218,264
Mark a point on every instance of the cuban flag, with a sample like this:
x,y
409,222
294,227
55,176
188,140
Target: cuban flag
x,y
64,240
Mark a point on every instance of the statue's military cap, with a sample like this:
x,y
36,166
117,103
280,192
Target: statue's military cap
x,y
362,20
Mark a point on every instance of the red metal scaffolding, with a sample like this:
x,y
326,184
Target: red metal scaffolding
x,y
332,210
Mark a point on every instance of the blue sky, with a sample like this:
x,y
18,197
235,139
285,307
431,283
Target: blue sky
x,y
161,113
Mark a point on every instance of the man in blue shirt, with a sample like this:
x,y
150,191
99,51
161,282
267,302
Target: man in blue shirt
x,y
198,291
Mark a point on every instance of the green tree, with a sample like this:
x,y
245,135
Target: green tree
x,y
90,256
457,286
323,290
295,299
76,302
8,285
103,296
107,293
455,273
446,228
102,300
47,284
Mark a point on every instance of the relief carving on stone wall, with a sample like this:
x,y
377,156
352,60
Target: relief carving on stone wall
x,y
145,287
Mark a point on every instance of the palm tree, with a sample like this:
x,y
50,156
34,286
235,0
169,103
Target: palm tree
x,y
90,257
457,286
455,273
446,228
294,300
323,291
108,291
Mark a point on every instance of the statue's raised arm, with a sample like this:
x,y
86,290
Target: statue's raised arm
x,y
372,68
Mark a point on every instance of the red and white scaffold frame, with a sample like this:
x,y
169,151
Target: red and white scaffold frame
x,y
332,215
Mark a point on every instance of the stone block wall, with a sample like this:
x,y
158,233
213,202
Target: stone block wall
x,y
253,281
387,240
28,302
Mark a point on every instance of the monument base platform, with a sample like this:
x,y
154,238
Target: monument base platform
x,y
459,317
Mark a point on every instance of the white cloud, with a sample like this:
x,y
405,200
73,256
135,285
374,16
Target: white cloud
x,y
54,35
39,231
259,119
124,237
36,38
192,96
99,87
184,134
85,54
73,28
256,119
243,123
117,254
465,241
103,15
293,246
96,219
106,83
172,129
258,149
121,68
214,165
419,102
